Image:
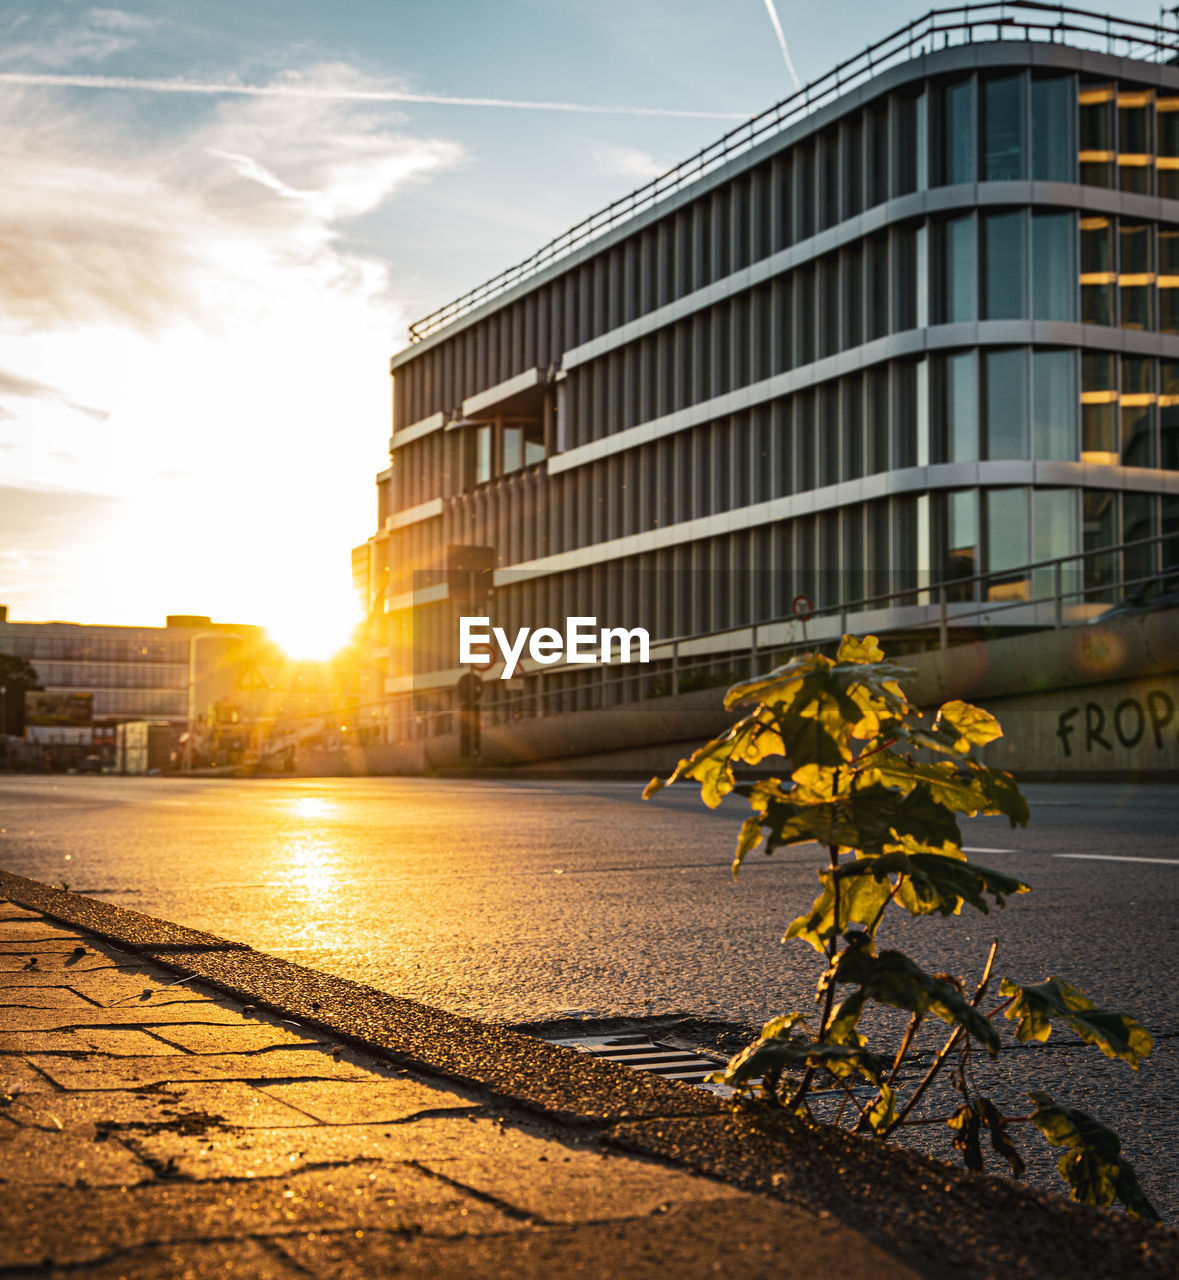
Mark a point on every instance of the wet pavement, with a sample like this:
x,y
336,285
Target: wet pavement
x,y
535,901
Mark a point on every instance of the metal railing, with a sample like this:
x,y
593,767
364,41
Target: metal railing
x,y
939,28
1040,595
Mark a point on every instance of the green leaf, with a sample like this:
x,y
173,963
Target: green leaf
x,y
860,901
965,1123
782,684
964,786
892,978
937,882
1091,1164
1116,1034
971,726
996,1122
764,1057
969,1121
882,1114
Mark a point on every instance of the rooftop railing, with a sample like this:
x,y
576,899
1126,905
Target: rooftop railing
x,y
1024,20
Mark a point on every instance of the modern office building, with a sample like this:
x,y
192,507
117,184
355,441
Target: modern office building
x,y
918,322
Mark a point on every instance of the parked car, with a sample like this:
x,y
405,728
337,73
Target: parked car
x,y
90,764
1156,593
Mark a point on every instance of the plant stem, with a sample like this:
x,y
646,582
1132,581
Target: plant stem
x,y
1001,1006
880,914
906,1041
829,995
945,1050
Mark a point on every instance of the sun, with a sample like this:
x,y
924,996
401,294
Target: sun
x,y
313,637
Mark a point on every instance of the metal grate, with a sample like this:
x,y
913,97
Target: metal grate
x,y
643,1054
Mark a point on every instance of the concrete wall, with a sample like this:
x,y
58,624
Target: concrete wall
x,y
1094,700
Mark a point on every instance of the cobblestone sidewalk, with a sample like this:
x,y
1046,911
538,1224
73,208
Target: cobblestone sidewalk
x,y
152,1128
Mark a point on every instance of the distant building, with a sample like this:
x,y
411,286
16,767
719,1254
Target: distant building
x,y
127,673
917,323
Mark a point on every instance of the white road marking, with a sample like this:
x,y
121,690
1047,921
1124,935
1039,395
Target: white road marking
x,y
1114,857
970,848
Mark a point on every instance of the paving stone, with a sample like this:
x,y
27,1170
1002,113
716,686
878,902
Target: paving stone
x,y
15,971
122,1041
10,911
229,1103
81,1013
17,1074
13,1003
48,1156
227,1260
78,1226
366,1102
113,986
540,1177
243,1037
128,1073
750,1238
39,942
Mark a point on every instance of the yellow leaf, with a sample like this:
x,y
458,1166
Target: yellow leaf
x,y
973,725
853,649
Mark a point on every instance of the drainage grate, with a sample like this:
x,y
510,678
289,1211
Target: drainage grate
x,y
643,1054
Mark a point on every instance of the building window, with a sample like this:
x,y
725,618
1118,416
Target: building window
x,y
956,160
1135,145
1096,152
910,155
1137,412
483,462
877,425
1005,403
959,434
877,287
1167,126
959,271
513,449
1004,266
1098,273
1003,129
1054,270
877,159
1136,275
1168,279
1008,544
1169,414
1054,528
1099,521
1099,401
1052,129
1138,525
1054,401
960,541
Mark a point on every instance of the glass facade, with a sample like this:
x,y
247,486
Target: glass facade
x,y
925,287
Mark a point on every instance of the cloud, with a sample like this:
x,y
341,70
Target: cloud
x,y
71,37
21,388
200,282
630,162
95,227
40,531
292,88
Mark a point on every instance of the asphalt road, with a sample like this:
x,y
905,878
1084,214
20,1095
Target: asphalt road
x,y
532,901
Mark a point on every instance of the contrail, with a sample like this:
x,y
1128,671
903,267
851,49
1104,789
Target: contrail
x,y
782,41
346,95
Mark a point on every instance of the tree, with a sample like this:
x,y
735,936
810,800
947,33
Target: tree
x,y
17,677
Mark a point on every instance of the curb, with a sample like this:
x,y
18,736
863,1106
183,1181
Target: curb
x,y
940,1219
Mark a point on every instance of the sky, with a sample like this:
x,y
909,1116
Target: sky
x,y
217,220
